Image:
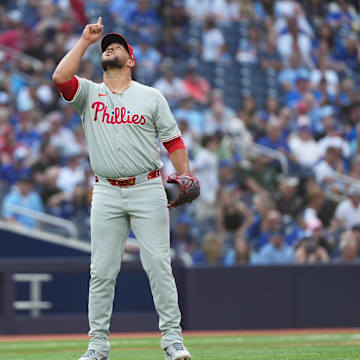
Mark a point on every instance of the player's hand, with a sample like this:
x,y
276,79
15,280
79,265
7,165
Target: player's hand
x,y
93,32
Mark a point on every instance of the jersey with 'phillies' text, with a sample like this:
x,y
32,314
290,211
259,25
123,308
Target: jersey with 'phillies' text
x,y
122,130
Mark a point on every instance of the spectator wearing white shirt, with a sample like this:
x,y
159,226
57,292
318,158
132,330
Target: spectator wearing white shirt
x,y
172,87
324,71
296,42
198,10
333,139
326,168
303,145
213,44
70,175
226,10
347,213
205,167
61,138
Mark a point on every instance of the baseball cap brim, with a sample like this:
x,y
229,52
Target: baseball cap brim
x,y
116,38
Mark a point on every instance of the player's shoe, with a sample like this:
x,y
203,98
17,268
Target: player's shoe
x,y
93,355
177,351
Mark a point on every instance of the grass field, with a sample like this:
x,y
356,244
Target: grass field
x,y
233,346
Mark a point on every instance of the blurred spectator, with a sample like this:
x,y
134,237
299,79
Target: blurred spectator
x,y
355,167
225,11
302,86
61,138
274,252
287,198
309,251
346,92
348,211
144,18
271,108
193,117
196,86
147,59
213,42
182,238
205,168
258,176
302,143
198,10
274,138
333,139
70,175
54,199
323,70
347,55
349,249
322,237
172,87
289,74
233,214
316,201
326,169
295,41
269,56
262,206
341,14
356,232
48,156
218,115
211,252
239,254
23,196
249,47
250,117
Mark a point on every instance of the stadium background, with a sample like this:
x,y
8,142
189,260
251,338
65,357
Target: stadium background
x,y
266,94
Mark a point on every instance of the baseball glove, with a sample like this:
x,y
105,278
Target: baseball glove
x,y
189,189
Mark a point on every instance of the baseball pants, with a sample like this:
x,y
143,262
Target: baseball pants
x,y
143,208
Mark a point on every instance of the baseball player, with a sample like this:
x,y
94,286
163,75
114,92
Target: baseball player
x,y
123,121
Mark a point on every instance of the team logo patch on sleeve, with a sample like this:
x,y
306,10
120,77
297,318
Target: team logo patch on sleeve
x,y
120,115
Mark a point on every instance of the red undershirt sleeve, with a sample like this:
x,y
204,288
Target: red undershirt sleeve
x,y
174,144
68,89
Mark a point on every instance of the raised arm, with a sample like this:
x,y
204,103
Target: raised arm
x,y
69,65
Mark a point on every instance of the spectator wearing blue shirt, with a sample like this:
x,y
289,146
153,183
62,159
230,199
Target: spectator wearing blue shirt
x,y
276,252
23,196
144,18
274,138
302,86
347,55
194,118
147,58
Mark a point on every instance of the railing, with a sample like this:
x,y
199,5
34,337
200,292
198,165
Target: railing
x,y
343,182
45,218
247,148
20,56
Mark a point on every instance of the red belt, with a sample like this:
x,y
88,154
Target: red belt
x,y
131,181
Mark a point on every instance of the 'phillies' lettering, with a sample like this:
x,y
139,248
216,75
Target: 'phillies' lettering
x,y
118,116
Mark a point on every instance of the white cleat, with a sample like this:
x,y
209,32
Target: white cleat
x,y
93,355
177,351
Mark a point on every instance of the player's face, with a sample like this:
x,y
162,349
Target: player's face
x,y
114,57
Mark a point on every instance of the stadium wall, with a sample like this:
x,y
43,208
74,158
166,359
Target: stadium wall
x,y
211,298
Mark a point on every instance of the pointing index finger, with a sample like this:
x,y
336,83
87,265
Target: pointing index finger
x,y
99,20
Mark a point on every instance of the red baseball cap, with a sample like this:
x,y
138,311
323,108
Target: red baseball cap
x,y
116,38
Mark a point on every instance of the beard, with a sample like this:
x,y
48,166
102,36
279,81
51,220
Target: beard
x,y
114,63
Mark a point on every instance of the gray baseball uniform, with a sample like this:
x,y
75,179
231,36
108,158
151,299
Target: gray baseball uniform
x,y
122,132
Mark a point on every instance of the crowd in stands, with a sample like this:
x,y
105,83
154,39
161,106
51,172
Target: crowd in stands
x,y
250,83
